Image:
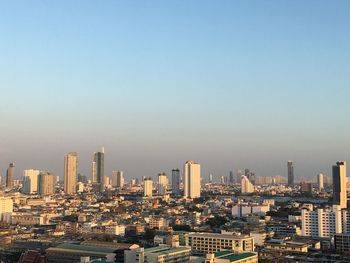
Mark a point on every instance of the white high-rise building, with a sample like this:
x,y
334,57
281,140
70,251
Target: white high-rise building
x,y
320,182
30,181
246,186
192,180
118,179
321,222
148,187
162,183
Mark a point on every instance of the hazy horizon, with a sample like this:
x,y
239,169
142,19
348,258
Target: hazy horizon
x,y
230,84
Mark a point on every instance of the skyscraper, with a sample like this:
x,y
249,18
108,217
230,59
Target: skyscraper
x,y
339,184
192,180
231,177
46,183
162,183
290,173
148,187
210,178
246,186
175,181
30,181
320,182
98,169
70,173
117,179
10,174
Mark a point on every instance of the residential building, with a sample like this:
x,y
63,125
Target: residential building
x,y
246,186
148,187
175,181
192,180
30,181
321,222
70,173
118,179
46,183
339,184
162,183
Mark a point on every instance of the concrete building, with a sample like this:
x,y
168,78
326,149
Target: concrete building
x,y
228,256
342,243
46,183
175,181
192,180
204,243
321,222
290,170
162,183
118,179
160,254
98,169
70,173
339,184
148,187
320,182
245,209
6,207
246,186
30,181
10,175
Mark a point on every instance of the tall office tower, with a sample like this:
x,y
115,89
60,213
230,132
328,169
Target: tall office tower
x,y
192,180
339,184
98,169
117,179
148,187
210,178
239,176
290,173
46,183
231,177
320,182
246,186
10,174
30,181
162,183
70,173
175,181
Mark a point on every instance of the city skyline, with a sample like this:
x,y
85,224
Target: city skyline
x,y
231,85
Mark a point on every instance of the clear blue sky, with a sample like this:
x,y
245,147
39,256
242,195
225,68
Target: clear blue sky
x,y
230,84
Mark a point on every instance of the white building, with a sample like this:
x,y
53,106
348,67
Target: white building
x,y
30,181
245,209
321,222
320,182
6,207
162,183
192,180
204,243
148,187
246,186
158,254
